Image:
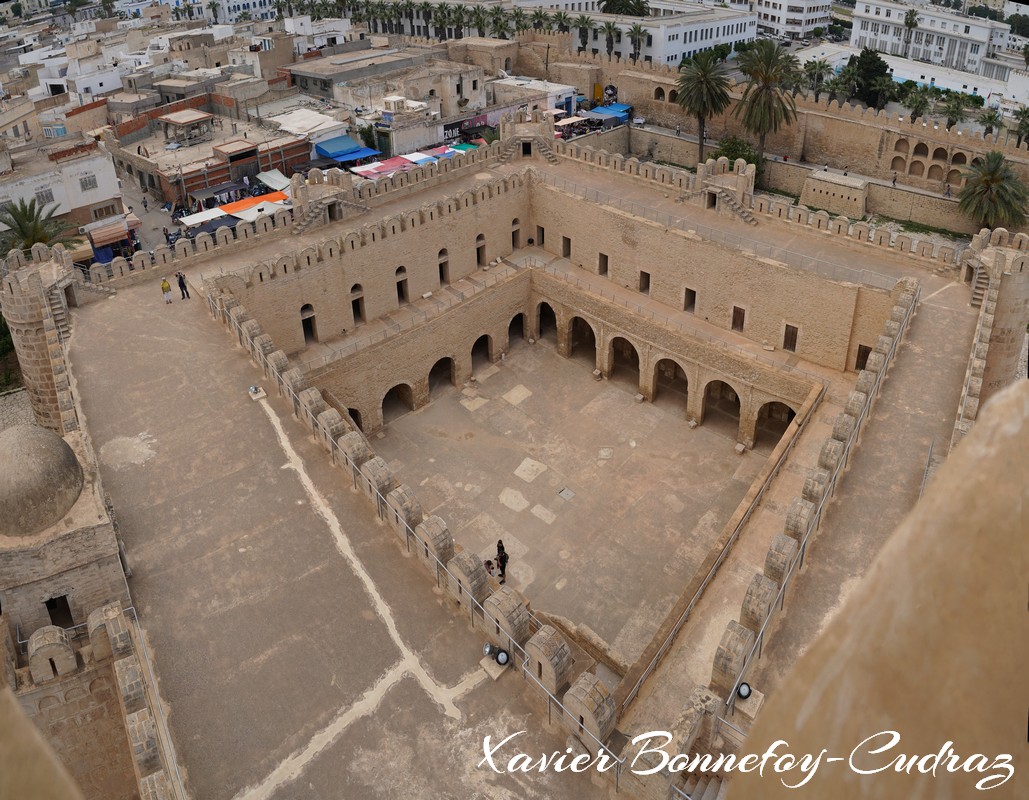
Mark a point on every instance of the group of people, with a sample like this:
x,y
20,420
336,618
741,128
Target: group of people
x,y
183,288
498,568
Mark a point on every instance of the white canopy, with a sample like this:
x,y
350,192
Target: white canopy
x,y
274,179
568,121
201,217
252,213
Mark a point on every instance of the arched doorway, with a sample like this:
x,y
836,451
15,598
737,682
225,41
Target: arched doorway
x,y
355,416
582,342
402,293
480,250
671,385
722,409
547,322
307,320
772,420
441,375
397,402
480,353
516,332
516,234
625,363
357,303
444,267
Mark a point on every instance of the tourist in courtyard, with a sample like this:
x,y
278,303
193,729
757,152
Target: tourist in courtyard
x,y
502,559
182,285
894,179
678,130
491,569
166,290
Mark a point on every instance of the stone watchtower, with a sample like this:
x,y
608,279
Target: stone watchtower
x,y
34,300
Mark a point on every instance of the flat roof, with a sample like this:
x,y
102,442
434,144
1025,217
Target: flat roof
x,y
186,117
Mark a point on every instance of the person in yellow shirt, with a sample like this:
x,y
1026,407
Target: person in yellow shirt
x,y
166,290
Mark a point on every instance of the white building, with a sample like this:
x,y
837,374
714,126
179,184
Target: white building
x,y
311,34
945,38
792,19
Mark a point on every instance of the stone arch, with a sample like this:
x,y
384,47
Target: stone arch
x,y
582,341
671,382
954,176
307,320
307,257
940,154
482,352
722,407
546,322
773,418
623,359
403,290
901,146
921,150
480,249
516,233
443,372
899,164
357,304
916,169
959,159
516,330
356,417
397,402
935,172
659,94
673,96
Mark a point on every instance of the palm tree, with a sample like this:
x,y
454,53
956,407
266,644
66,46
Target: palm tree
x,y
244,17
765,106
563,20
993,195
541,20
849,79
519,20
954,108
630,8
610,31
425,9
838,88
703,91
817,72
396,11
991,120
479,19
911,20
459,21
917,102
1021,124
214,7
586,27
499,24
637,35
440,20
29,224
885,90
280,9
1025,55
107,8
409,8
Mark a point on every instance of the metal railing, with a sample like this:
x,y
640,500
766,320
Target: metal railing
x,y
760,249
477,612
928,467
722,555
816,518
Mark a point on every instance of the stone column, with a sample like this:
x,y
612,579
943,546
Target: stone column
x,y
748,422
695,404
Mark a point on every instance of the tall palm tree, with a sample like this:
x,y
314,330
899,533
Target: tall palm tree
x,y
459,20
765,105
885,90
479,19
563,20
954,108
541,20
586,27
637,36
1021,124
703,91
409,8
396,12
610,31
817,73
911,20
918,103
440,20
993,195
499,23
280,9
520,20
29,224
214,7
630,8
991,120
425,9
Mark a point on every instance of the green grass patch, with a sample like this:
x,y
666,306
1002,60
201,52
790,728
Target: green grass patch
x,y
781,193
673,165
917,227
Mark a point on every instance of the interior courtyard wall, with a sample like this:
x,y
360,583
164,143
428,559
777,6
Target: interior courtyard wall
x,y
276,303
771,295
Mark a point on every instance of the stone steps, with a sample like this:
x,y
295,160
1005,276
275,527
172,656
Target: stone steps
x,y
979,289
736,208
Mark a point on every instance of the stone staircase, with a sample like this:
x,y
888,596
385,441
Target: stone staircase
x,y
314,213
980,287
730,202
59,309
507,152
545,149
703,787
514,145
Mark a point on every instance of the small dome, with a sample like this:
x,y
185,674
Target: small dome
x,y
40,480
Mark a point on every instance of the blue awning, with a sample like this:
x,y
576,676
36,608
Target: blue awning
x,y
619,107
364,152
336,147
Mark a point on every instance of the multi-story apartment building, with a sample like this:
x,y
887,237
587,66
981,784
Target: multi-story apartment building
x,y
791,19
945,38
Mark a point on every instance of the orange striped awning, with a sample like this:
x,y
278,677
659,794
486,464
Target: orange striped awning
x,y
250,202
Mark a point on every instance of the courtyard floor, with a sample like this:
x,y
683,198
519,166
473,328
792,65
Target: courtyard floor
x,y
648,496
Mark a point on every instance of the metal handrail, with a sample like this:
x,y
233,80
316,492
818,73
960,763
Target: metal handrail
x,y
928,467
816,518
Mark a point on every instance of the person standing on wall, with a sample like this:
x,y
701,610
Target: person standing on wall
x,y
166,291
182,285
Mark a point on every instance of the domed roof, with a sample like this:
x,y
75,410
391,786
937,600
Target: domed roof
x,y
40,480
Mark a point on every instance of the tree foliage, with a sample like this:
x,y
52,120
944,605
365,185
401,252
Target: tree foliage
x,y
766,105
993,195
29,223
869,67
703,91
